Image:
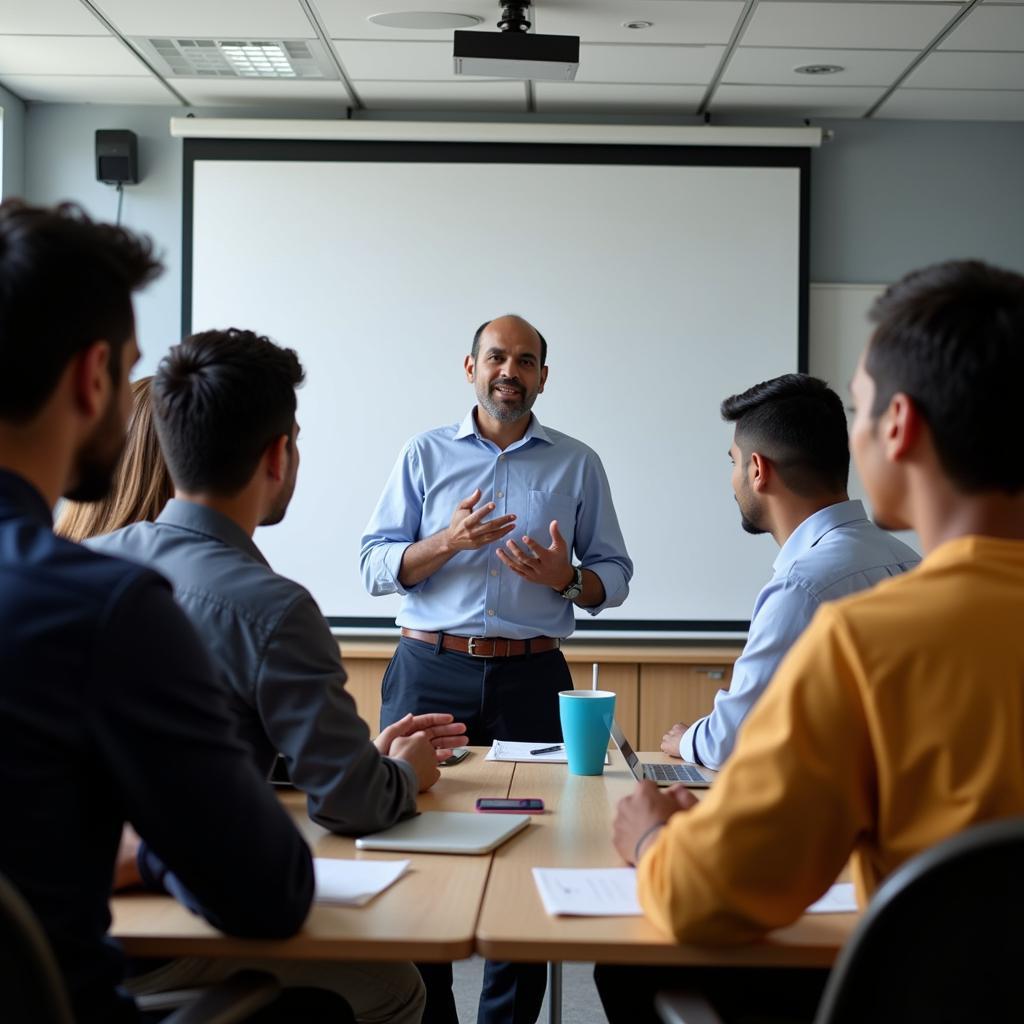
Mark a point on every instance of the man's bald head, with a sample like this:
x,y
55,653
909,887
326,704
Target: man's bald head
x,y
475,351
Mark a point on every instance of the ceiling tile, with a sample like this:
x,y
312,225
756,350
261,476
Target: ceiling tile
x,y
795,100
952,70
209,19
594,21
873,26
678,21
89,89
46,16
649,64
988,28
578,98
268,94
954,105
460,95
397,61
768,66
67,55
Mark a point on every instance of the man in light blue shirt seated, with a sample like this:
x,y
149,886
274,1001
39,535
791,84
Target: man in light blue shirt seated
x,y
791,460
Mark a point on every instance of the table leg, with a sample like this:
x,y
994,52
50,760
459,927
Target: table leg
x,y
554,992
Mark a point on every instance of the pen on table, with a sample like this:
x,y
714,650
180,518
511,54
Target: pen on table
x,y
546,750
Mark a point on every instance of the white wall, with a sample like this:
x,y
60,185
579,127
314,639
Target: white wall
x,y
12,174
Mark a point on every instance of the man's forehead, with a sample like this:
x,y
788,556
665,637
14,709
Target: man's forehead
x,y
510,334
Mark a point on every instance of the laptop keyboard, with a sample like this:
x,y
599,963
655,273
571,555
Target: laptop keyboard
x,y
672,773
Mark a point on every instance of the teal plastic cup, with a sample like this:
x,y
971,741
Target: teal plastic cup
x,y
586,727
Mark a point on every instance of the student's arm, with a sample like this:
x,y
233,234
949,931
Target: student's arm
x,y
783,817
783,611
213,833
312,720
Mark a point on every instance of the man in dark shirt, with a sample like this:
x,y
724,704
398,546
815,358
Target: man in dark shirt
x,y
109,709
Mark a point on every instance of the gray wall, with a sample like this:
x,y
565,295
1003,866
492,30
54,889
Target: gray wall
x,y
13,172
886,196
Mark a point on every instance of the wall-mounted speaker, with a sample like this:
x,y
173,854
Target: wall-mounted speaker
x,y
117,157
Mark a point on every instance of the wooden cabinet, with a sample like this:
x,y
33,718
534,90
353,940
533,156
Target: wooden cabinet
x,y
654,685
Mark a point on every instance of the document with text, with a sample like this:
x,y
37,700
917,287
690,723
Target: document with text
x,y
506,750
353,883
588,892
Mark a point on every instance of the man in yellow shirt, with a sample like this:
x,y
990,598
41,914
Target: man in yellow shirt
x,y
897,719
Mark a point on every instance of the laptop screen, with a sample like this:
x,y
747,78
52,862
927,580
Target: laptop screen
x,y
627,752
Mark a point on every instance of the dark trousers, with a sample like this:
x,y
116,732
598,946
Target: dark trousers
x,y
740,995
497,699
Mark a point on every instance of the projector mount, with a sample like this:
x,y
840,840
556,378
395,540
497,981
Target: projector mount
x,y
513,16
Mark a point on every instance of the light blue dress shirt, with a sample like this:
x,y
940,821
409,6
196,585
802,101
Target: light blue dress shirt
x,y
544,476
832,553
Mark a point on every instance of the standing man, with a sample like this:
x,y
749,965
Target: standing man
x,y
896,720
791,459
482,620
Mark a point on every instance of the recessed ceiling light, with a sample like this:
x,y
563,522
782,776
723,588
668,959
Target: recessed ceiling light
x,y
424,20
819,69
638,24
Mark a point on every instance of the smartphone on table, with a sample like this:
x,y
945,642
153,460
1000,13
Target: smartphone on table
x,y
500,805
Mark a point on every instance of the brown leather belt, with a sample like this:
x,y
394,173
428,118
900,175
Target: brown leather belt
x,y
486,646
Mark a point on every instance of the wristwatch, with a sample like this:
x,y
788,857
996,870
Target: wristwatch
x,y
575,587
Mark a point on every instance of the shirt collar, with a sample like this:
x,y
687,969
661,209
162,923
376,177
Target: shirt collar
x,y
534,430
24,499
187,515
814,527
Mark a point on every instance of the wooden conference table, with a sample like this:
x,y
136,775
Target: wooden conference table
x,y
448,907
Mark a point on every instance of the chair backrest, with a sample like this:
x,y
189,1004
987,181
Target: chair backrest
x,y
31,987
942,940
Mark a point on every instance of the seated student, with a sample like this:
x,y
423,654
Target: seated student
x,y
791,460
142,485
896,720
109,708
224,405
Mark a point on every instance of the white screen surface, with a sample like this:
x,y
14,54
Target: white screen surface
x,y
660,290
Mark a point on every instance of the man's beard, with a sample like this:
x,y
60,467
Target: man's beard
x,y
504,412
750,526
97,460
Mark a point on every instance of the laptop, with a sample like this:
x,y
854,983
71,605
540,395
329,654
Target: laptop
x,y
447,832
662,774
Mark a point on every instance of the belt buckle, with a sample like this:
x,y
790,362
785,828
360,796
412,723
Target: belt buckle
x,y
471,643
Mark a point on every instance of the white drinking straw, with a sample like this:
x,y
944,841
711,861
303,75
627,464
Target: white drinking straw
x,y
594,687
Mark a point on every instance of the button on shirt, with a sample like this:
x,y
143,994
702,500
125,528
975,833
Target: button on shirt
x,y
832,553
544,476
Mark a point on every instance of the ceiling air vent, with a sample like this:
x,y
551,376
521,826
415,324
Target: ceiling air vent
x,y
237,58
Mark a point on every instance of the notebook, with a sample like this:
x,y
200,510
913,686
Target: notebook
x,y
447,832
662,774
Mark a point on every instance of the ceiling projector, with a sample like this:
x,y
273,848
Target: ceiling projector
x,y
513,52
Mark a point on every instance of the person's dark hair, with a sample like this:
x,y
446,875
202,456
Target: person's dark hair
x,y
219,398
797,422
475,350
65,283
951,338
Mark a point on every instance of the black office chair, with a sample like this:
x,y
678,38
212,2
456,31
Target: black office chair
x,y
32,990
941,941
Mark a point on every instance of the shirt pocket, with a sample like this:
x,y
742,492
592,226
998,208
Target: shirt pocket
x,y
541,508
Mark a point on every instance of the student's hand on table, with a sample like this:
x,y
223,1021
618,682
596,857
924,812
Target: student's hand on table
x,y
417,751
470,529
126,867
440,729
670,741
548,566
638,816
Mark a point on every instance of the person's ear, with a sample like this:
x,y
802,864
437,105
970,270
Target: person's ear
x,y
469,366
900,427
759,471
90,379
275,458
543,378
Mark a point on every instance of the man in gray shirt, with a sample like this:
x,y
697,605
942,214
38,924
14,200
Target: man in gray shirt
x,y
224,405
